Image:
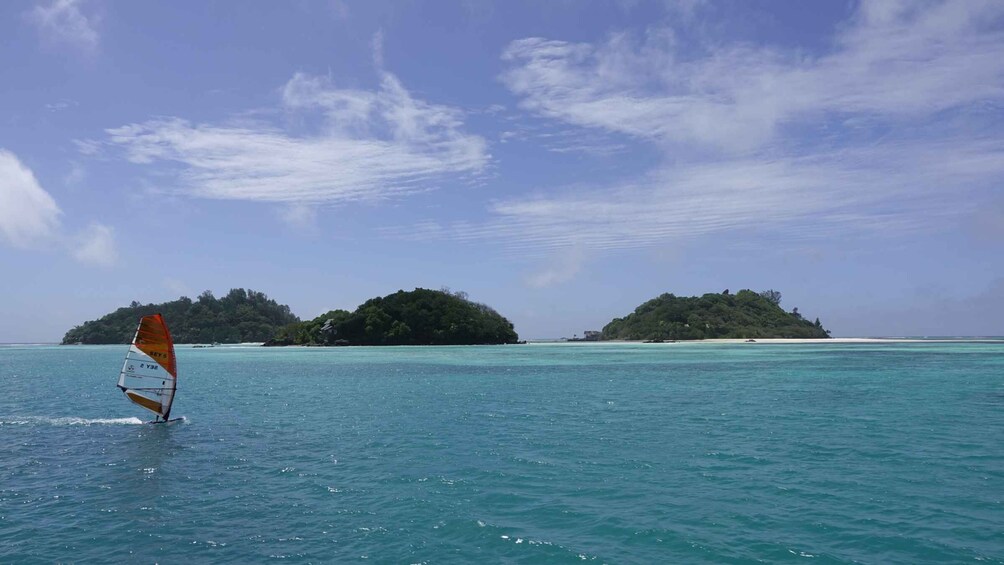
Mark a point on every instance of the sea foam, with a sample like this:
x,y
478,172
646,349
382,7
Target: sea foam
x,y
67,421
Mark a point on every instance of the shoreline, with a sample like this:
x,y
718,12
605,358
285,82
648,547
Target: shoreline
x,y
784,340
766,340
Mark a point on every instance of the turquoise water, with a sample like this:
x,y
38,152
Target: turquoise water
x,y
619,453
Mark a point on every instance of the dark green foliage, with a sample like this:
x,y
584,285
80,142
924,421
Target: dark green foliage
x,y
312,332
419,317
774,296
240,316
745,314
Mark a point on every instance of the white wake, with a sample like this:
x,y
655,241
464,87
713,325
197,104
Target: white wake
x,y
68,421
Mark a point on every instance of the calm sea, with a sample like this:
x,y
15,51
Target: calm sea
x,y
619,453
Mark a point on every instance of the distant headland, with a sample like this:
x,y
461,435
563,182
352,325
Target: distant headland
x,y
239,317
418,317
745,314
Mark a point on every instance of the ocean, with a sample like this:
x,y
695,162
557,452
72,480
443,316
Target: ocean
x,y
539,453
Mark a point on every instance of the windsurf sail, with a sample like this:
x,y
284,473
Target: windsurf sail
x,y
150,373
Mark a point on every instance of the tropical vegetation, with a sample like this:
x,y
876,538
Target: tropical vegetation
x,y
240,316
745,314
417,317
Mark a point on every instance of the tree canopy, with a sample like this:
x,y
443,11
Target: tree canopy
x,y
418,317
745,314
240,316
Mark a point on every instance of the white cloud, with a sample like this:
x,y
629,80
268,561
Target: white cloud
x,y
561,268
61,105
300,216
875,137
62,21
76,175
177,287
29,216
88,147
369,145
377,46
894,60
95,246
877,191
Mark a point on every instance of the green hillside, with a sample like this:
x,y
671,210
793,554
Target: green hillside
x,y
746,314
418,317
240,316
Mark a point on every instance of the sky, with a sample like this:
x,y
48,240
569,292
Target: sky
x,y
560,161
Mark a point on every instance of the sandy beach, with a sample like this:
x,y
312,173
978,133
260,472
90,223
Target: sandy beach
x,y
832,340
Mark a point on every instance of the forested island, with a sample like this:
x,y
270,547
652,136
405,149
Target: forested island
x,y
745,314
417,317
240,316
439,317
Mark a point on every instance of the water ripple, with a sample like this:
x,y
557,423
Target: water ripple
x,y
543,454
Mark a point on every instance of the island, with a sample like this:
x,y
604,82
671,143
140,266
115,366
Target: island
x,y
417,317
745,314
240,316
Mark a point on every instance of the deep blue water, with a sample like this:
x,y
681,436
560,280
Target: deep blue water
x,y
619,453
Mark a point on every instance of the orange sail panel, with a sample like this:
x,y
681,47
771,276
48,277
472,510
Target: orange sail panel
x,y
149,375
153,338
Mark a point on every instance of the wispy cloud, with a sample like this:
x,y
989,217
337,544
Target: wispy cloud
x,y
893,190
894,60
840,194
368,145
376,45
177,287
562,139
62,21
874,137
95,246
61,105
75,176
300,216
89,147
562,268
31,219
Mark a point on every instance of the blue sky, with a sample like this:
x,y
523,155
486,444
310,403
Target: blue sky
x,y
561,161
